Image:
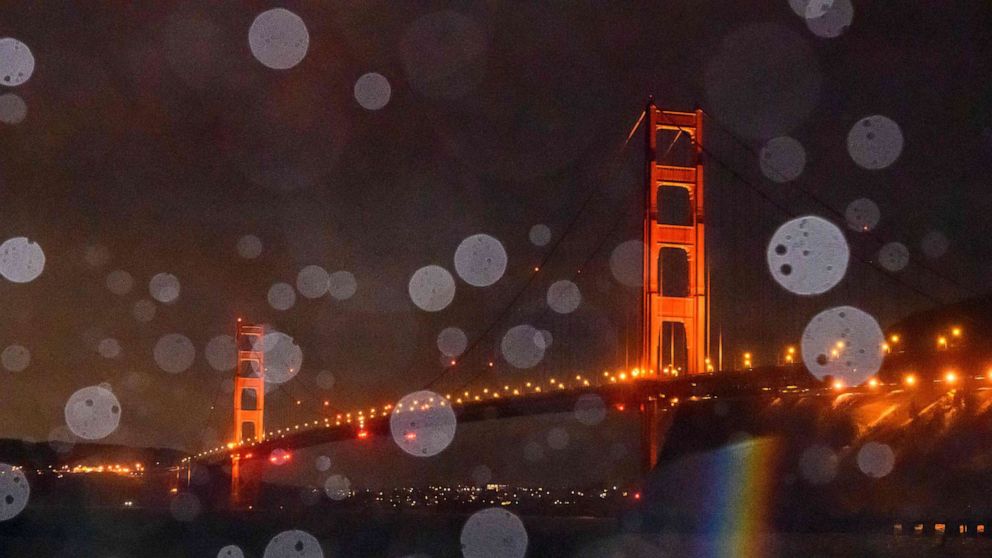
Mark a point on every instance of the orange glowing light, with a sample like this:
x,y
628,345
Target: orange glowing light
x,y
363,434
873,383
894,338
620,407
410,435
956,332
838,385
950,377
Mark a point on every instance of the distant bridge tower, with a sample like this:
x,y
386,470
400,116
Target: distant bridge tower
x,y
249,384
249,397
675,279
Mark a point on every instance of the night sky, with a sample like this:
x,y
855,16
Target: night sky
x,y
154,140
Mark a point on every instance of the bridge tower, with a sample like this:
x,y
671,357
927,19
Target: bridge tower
x,y
675,276
249,397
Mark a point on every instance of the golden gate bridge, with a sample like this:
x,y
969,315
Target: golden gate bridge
x,y
674,319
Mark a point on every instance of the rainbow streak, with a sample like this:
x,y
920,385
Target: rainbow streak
x,y
745,475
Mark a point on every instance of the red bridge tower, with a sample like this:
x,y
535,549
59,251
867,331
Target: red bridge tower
x,y
675,276
249,398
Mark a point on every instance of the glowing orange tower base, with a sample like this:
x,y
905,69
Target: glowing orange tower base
x,y
692,310
249,399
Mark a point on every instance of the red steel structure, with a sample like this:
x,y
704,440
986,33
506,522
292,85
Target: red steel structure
x,y
249,395
679,166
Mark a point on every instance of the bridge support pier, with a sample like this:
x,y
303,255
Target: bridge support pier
x,y
650,432
236,494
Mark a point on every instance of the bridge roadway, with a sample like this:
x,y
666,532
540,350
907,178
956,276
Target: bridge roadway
x,y
625,395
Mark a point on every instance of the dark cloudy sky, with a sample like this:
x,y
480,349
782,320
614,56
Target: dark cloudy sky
x,y
153,133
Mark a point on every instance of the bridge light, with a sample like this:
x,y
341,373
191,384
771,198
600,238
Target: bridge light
x,y
791,350
886,348
894,338
230,445
363,434
623,376
838,385
951,377
873,383
956,331
941,342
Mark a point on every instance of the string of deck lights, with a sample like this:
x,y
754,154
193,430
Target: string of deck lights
x,y
534,388
507,391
